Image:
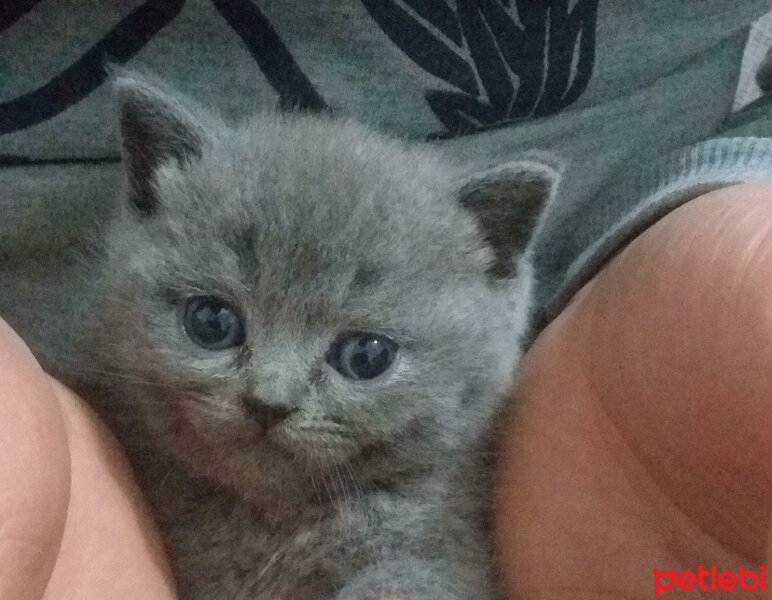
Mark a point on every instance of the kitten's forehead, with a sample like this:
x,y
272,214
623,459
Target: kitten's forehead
x,y
316,226
311,198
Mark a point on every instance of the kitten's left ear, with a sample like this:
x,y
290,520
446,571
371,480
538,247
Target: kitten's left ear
x,y
156,126
507,202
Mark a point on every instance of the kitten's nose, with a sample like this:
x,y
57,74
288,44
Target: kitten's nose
x,y
265,414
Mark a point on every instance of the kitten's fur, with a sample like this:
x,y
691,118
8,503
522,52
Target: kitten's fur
x,y
311,228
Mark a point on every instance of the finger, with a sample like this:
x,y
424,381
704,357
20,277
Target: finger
x,y
641,438
110,548
34,472
681,324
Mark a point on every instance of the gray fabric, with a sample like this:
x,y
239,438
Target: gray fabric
x,y
628,132
759,43
339,46
663,77
637,193
639,197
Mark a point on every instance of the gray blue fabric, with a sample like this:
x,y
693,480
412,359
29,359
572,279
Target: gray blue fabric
x,y
613,89
635,198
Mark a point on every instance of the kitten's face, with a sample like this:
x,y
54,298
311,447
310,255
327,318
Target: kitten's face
x,y
305,294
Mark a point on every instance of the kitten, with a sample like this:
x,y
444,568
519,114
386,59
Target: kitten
x,y
304,331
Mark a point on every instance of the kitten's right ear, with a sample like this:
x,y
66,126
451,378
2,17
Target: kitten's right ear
x,y
155,127
507,202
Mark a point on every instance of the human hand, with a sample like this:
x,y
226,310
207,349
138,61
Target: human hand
x,y
642,433
71,521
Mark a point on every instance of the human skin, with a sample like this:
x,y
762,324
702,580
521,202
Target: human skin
x,y
72,523
642,433
639,436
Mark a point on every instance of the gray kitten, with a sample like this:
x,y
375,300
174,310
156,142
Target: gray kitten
x,y
304,331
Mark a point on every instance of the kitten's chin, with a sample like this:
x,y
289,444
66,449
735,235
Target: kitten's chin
x,y
261,474
266,467
295,446
232,455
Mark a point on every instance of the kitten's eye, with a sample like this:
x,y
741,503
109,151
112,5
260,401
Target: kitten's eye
x,y
212,324
362,355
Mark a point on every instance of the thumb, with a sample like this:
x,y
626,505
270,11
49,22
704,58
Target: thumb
x,y
34,472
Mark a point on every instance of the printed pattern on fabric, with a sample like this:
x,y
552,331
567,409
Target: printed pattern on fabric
x,y
503,60
508,59
130,35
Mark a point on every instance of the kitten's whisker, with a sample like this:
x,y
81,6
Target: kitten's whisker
x,y
316,490
357,490
346,502
327,488
354,481
321,471
124,376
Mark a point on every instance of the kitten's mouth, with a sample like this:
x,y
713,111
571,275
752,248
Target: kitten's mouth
x,y
242,435
295,438
316,444
254,436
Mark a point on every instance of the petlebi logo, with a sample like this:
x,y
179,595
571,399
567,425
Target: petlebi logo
x,y
710,579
